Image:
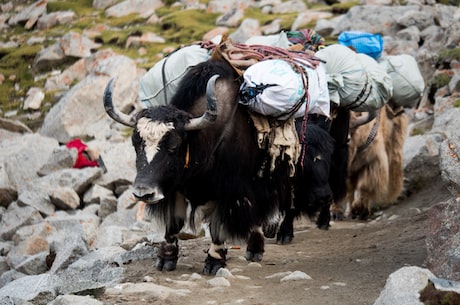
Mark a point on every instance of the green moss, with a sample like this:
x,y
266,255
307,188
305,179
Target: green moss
x,y
418,131
457,103
185,26
448,55
449,2
342,8
15,66
79,7
125,21
440,80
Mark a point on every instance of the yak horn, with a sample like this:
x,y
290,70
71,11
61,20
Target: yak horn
x,y
113,112
209,117
364,119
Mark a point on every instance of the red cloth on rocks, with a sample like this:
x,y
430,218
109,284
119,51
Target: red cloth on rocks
x,y
81,160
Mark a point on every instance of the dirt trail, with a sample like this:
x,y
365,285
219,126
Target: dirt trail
x,y
348,264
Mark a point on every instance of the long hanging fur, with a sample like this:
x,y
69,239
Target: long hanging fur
x,y
375,169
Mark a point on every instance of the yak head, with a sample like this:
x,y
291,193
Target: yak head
x,y
160,142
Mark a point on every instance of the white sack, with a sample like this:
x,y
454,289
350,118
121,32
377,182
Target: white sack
x,y
355,81
277,40
408,83
382,84
152,85
287,91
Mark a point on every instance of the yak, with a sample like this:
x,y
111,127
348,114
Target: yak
x,y
202,150
375,168
321,173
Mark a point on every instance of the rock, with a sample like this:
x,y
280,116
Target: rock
x,y
296,276
61,121
34,98
443,240
248,28
61,158
69,299
218,282
17,217
149,290
38,289
64,198
29,15
145,8
403,286
14,126
56,18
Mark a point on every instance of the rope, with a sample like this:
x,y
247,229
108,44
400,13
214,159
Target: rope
x,y
372,134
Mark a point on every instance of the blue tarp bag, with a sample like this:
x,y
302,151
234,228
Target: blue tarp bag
x,y
367,43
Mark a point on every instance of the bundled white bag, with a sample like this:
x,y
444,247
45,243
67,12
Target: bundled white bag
x,y
276,40
381,84
408,83
355,81
173,67
272,88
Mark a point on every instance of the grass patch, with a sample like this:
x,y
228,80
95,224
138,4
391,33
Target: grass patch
x,y
286,20
439,80
15,65
450,54
186,26
81,7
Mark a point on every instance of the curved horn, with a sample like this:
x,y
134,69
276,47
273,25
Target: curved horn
x,y
113,112
209,117
364,119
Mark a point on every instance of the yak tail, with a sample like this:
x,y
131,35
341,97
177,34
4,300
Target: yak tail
x,y
396,171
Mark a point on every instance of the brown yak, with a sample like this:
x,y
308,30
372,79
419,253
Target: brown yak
x,y
375,166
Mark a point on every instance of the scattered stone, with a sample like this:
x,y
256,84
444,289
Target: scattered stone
x,y
296,276
218,282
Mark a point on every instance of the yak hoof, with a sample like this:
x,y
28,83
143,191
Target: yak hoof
x,y
254,257
323,226
339,216
168,255
360,214
284,239
166,265
212,265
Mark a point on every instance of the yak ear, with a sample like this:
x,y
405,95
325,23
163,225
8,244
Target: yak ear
x,y
112,111
210,116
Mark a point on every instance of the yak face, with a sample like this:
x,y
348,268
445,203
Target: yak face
x,y
158,139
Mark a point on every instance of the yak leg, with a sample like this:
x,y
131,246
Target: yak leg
x,y
337,212
217,252
256,243
360,205
168,252
286,231
216,258
324,217
360,208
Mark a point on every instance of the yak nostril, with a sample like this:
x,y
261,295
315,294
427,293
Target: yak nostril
x,y
144,197
147,194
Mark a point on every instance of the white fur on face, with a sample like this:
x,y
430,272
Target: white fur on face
x,y
152,132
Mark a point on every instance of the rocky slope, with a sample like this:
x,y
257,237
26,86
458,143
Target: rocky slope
x,y
67,231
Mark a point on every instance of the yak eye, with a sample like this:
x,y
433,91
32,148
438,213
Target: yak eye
x,y
173,142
